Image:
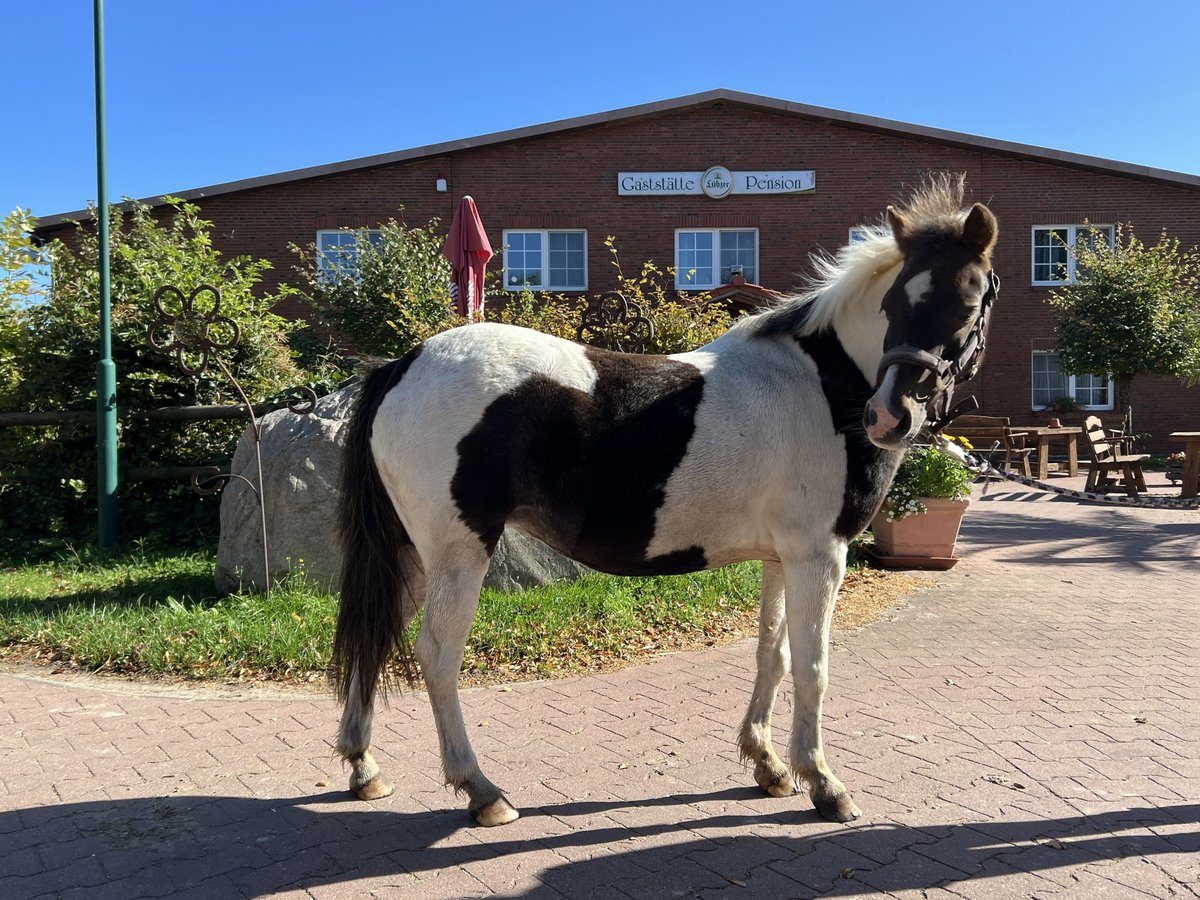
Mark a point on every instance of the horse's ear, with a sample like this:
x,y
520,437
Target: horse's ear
x,y
980,230
899,225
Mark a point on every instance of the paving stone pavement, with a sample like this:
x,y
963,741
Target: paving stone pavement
x,y
1028,727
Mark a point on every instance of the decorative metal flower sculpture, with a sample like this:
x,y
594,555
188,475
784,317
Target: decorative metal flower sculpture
x,y
190,329
615,323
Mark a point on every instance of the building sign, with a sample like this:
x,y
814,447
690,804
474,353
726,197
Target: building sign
x,y
717,182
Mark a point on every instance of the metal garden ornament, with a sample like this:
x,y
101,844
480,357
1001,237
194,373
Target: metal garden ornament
x,y
198,334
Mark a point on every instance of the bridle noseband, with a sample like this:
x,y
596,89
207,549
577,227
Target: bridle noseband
x,y
948,372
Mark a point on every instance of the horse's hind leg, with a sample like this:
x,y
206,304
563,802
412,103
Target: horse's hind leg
x,y
354,733
452,598
354,737
754,739
812,584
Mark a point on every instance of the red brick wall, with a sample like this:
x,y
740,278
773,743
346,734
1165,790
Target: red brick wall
x,y
569,179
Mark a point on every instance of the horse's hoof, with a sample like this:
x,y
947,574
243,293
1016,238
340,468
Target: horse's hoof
x,y
374,789
784,788
498,812
839,808
775,784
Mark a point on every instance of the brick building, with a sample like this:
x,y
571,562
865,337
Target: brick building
x,y
720,180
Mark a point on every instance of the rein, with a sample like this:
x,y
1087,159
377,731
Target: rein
x,y
949,372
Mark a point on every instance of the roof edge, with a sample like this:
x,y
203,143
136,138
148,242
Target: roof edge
x,y
852,120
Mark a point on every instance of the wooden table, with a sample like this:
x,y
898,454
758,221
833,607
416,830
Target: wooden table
x,y
1191,461
1045,434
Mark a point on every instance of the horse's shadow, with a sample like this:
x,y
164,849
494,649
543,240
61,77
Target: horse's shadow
x,y
218,846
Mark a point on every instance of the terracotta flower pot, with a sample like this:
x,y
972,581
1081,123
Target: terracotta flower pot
x,y
930,535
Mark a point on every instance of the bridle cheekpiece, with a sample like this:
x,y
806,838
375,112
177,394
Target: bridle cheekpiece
x,y
948,372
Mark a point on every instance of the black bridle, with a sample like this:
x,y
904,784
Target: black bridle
x,y
948,372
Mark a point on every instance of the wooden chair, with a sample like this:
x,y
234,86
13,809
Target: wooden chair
x,y
984,431
1108,461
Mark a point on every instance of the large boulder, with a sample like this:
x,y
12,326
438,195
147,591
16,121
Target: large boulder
x,y
301,459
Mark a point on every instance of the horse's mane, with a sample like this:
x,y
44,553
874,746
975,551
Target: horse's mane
x,y
859,272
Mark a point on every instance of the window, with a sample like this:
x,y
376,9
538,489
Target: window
x,y
545,260
1052,263
1093,391
707,258
337,251
1051,383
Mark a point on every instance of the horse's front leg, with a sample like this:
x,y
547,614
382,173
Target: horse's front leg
x,y
754,738
811,585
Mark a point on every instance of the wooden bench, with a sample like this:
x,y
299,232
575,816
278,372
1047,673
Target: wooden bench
x,y
1107,461
983,432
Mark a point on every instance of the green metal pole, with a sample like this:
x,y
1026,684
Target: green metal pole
x,y
106,371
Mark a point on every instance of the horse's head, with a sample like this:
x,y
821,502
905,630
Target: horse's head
x,y
937,313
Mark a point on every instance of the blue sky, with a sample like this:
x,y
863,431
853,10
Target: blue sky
x,y
206,91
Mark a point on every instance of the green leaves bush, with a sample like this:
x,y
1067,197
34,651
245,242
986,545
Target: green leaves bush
x,y
387,296
47,474
19,259
392,293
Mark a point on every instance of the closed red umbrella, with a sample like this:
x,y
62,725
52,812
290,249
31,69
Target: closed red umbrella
x,y
468,250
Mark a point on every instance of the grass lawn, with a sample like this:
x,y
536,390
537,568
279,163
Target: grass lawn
x,y
158,614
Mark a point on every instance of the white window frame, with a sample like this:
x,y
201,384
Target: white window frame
x,y
327,265
680,273
1070,389
546,285
1073,234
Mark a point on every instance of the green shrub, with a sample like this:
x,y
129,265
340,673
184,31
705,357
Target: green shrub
x,y
18,288
678,323
681,323
549,314
392,293
388,295
47,475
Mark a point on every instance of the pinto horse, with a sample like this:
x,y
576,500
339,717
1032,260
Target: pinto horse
x,y
775,442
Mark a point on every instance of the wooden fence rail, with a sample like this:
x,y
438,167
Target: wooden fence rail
x,y
162,414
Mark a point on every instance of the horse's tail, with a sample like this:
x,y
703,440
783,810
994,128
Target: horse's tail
x,y
377,554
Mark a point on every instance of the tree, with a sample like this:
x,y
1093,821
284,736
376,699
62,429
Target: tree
x,y
1133,310
18,289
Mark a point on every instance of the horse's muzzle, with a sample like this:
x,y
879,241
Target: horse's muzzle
x,y
891,418
883,429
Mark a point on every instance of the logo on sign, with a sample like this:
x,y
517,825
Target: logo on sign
x,y
717,182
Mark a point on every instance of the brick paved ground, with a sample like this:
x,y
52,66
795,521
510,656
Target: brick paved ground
x,y
1028,728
